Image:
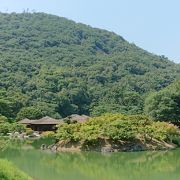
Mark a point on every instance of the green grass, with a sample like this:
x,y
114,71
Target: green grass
x,y
9,172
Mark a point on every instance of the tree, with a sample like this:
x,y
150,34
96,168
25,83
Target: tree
x,y
165,104
41,55
30,113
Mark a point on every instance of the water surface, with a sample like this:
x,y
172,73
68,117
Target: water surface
x,y
96,166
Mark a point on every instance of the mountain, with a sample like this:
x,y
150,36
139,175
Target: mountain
x,y
50,65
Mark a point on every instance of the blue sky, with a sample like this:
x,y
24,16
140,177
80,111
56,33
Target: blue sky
x,y
151,24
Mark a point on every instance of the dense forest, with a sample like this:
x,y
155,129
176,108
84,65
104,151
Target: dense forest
x,y
165,104
53,66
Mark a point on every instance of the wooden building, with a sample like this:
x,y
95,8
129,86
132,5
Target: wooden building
x,y
49,124
44,124
76,118
26,122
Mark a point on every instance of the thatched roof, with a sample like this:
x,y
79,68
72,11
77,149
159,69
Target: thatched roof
x,y
25,121
78,118
46,121
43,121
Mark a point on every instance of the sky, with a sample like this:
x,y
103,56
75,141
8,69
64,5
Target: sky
x,y
151,24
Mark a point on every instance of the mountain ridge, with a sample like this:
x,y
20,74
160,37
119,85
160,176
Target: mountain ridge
x,y
60,67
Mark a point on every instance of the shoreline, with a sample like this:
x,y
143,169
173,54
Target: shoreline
x,y
108,146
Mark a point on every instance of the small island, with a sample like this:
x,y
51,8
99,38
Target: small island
x,y
110,132
117,132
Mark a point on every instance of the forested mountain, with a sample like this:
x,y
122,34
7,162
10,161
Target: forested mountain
x,y
53,66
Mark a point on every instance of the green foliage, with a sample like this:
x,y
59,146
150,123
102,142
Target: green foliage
x,y
9,172
5,128
162,131
66,131
60,67
15,127
48,134
117,127
11,127
4,143
30,113
3,119
29,131
165,104
11,102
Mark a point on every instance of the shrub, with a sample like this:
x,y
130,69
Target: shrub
x,y
117,127
48,134
11,127
5,128
66,131
15,127
162,131
29,131
3,119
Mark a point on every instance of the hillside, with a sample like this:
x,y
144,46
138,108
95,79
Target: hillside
x,y
53,66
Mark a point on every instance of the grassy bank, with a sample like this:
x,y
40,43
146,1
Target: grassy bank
x,y
9,172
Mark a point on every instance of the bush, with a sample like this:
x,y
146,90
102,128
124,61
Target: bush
x,y
11,127
5,128
15,127
29,131
176,140
162,131
48,134
66,131
3,119
117,127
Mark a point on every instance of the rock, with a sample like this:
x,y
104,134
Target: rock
x,y
43,147
107,149
137,147
36,134
54,148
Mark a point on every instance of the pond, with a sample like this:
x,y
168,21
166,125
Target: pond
x,y
162,165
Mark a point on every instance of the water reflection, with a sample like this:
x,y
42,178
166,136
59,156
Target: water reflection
x,y
115,166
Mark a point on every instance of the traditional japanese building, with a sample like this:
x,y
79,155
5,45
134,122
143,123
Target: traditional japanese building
x,y
44,124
